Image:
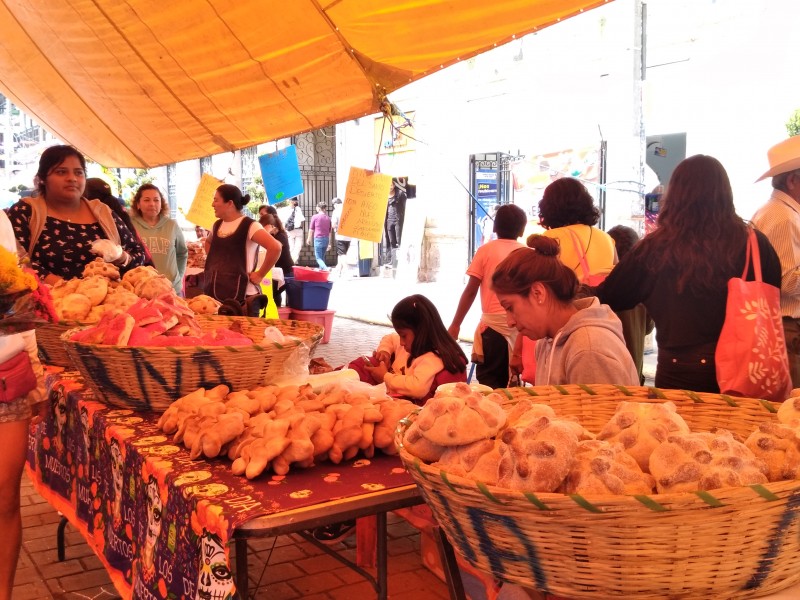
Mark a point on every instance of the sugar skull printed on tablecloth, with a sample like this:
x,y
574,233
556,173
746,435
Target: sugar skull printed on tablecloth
x,y
214,578
58,404
156,495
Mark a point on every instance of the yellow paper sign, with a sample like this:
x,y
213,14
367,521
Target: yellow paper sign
x,y
201,212
364,207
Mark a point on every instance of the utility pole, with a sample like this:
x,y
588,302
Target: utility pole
x,y
639,75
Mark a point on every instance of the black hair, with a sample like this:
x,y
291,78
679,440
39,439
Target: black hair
x,y
418,314
539,262
509,222
51,158
566,201
231,193
624,238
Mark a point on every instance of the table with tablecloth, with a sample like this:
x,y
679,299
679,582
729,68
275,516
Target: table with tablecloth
x,y
160,522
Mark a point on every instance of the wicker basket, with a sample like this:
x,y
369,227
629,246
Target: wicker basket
x,y
51,347
151,378
728,543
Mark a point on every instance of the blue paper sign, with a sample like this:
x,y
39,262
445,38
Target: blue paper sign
x,y
281,175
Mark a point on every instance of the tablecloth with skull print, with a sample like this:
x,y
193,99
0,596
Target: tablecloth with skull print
x,y
159,521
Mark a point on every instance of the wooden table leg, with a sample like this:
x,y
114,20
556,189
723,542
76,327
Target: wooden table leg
x,y
242,583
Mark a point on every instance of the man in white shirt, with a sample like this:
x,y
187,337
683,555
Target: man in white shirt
x,y
779,220
293,218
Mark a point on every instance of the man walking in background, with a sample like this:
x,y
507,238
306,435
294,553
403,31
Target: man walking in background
x,y
779,220
293,218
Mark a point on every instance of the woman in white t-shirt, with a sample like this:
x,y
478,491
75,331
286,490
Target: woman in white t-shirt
x,y
232,248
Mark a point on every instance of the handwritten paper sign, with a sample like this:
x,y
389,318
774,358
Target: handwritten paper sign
x,y
281,175
364,208
201,212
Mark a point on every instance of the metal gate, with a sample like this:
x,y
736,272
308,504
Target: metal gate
x,y
316,155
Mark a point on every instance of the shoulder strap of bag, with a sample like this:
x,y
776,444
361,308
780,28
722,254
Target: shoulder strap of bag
x,y
36,223
752,253
576,242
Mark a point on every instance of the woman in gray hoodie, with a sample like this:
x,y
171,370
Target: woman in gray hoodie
x,y
161,235
579,341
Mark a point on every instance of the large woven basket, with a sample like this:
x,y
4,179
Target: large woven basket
x,y
151,378
51,347
728,543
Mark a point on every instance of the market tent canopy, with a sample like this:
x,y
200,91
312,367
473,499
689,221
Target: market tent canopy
x,y
141,83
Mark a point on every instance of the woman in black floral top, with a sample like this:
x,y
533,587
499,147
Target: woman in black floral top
x,y
71,223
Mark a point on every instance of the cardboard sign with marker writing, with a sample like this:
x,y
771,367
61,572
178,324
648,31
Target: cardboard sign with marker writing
x,y
364,208
201,212
281,174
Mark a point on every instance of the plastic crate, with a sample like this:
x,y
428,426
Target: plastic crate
x,y
306,274
319,317
308,295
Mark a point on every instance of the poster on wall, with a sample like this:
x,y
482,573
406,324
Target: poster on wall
x,y
280,172
534,173
397,136
364,207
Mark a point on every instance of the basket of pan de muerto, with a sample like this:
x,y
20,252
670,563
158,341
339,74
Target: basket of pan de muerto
x,y
604,491
151,377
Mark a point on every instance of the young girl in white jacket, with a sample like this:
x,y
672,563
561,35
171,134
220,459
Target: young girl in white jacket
x,y
419,353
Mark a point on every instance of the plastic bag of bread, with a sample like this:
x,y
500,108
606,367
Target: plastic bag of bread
x,y
689,462
601,467
778,445
640,427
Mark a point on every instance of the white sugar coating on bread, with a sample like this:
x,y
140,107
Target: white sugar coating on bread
x,y
602,467
778,445
536,456
640,427
689,462
455,421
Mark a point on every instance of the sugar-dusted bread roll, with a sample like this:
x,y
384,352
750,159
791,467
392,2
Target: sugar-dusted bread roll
x,y
138,274
778,445
456,421
789,411
101,268
95,288
641,426
537,456
74,307
478,461
153,287
602,467
421,447
689,462
204,305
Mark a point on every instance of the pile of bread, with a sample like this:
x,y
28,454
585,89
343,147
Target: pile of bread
x,y
86,299
644,448
281,427
197,255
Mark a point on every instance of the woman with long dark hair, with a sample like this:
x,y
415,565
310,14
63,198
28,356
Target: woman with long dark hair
x,y
680,272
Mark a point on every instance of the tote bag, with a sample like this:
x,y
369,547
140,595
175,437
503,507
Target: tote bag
x,y
751,357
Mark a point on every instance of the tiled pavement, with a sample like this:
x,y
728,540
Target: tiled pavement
x,y
296,568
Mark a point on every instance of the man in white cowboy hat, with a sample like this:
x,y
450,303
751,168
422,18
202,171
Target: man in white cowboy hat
x,y
779,220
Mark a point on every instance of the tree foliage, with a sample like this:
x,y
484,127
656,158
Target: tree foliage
x,y
793,124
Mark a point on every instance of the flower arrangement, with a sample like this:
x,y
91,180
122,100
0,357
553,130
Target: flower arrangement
x,y
25,303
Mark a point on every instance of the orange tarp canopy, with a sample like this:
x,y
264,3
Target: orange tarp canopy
x,y
141,83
